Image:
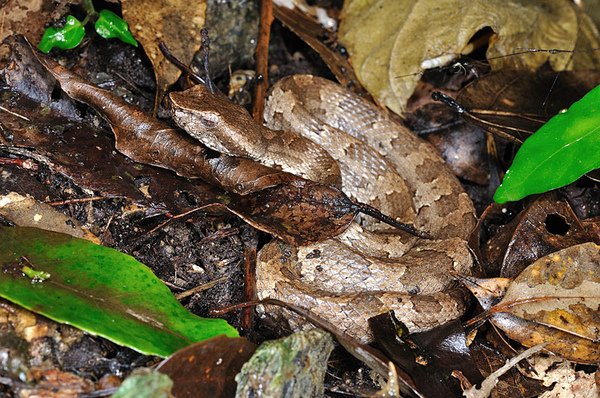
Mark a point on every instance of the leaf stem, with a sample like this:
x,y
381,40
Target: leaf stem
x,y
88,6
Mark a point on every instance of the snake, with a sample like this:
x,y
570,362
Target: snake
x,y
322,131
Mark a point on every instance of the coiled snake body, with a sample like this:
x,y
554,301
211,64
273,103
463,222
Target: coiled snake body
x,y
368,269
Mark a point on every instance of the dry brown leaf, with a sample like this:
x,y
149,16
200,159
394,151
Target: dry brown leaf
x,y
27,212
390,39
556,300
29,17
207,368
490,382
563,379
547,225
177,23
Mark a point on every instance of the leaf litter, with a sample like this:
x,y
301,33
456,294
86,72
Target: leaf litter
x,y
170,202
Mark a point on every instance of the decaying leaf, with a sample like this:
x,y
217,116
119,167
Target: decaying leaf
x,y
390,39
29,17
27,212
545,226
490,382
429,357
563,380
512,383
207,368
556,301
177,23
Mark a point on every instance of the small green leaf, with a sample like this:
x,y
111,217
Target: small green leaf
x,y
99,290
560,152
64,38
109,25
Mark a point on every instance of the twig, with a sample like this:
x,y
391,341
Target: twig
x,y
81,200
14,114
27,164
262,60
159,226
180,65
490,382
200,288
249,285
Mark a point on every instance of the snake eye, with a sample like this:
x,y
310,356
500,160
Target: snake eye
x,y
210,119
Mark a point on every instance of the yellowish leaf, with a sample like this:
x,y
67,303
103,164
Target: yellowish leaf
x,y
556,300
388,40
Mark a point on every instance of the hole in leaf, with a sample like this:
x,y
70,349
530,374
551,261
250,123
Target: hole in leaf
x,y
56,93
556,224
480,42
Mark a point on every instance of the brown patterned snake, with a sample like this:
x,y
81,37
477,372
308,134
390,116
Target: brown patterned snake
x,y
368,269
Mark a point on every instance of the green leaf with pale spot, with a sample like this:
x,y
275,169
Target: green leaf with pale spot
x,y
99,290
561,151
65,38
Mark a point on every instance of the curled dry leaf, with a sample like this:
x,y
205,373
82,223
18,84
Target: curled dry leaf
x,y
556,301
177,23
390,39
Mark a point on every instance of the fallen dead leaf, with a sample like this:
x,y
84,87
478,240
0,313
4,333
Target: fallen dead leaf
x,y
547,225
564,380
177,23
207,368
392,41
556,301
29,17
27,212
490,382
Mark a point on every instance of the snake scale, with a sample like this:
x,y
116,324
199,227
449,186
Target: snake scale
x,y
369,268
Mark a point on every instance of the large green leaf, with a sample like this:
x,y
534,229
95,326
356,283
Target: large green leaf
x,y
560,152
99,290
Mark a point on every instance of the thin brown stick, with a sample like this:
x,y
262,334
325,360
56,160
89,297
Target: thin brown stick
x,y
81,200
186,213
249,285
262,60
200,288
